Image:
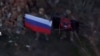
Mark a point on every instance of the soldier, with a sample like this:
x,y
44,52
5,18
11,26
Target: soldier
x,y
42,14
65,25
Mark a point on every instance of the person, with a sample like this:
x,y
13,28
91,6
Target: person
x,y
65,25
42,14
75,27
19,23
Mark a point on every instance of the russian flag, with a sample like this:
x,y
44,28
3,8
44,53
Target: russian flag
x,y
38,24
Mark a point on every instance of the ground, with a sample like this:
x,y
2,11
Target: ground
x,y
53,47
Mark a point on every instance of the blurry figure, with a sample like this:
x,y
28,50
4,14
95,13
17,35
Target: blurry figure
x,y
66,27
19,23
74,24
19,9
41,11
68,12
75,27
42,15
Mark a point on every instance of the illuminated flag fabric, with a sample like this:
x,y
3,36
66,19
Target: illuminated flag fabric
x,y
38,24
